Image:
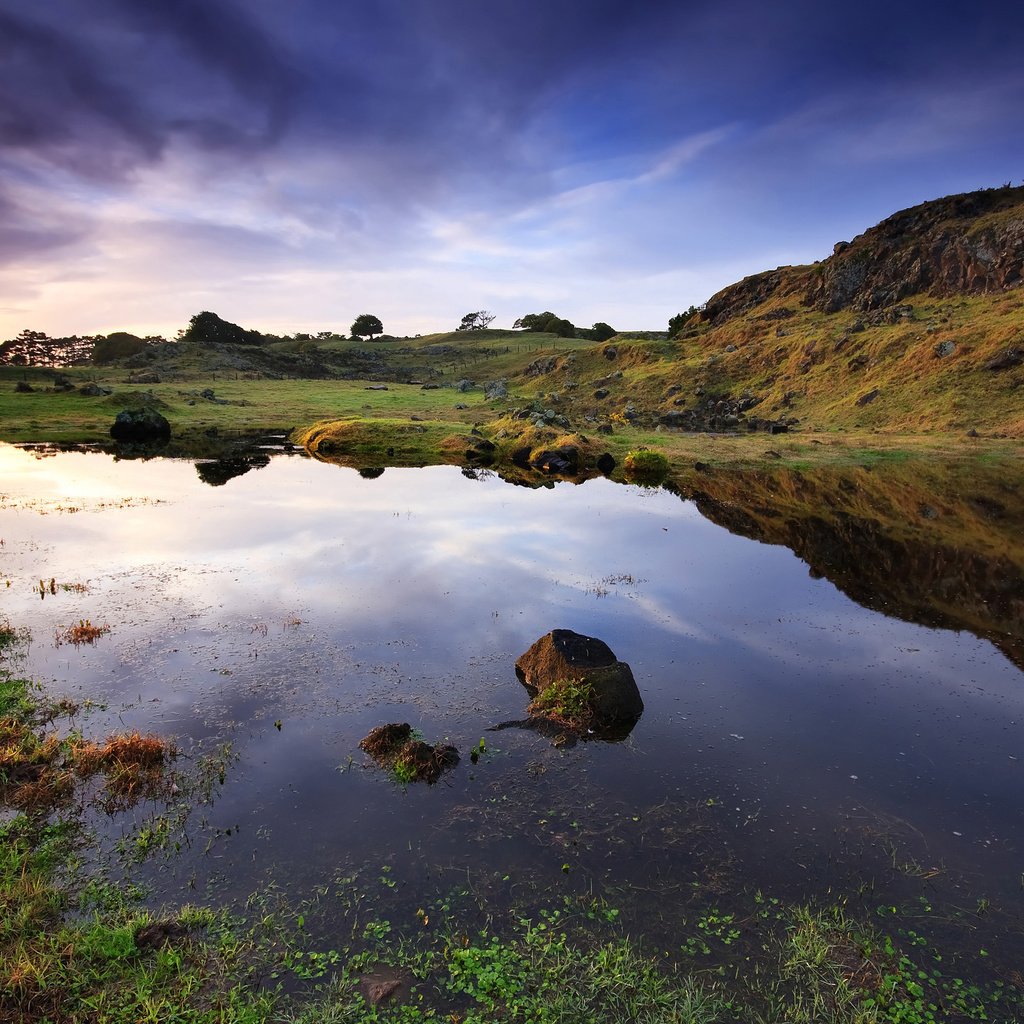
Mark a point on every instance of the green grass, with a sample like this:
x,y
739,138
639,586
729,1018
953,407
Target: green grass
x,y
73,947
68,952
256,406
567,701
645,466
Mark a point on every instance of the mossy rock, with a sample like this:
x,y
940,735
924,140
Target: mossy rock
x,y
409,759
577,681
645,466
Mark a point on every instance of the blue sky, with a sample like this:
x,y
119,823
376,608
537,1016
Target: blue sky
x,y
291,165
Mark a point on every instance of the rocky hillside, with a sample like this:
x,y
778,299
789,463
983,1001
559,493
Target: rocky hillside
x,y
966,244
915,326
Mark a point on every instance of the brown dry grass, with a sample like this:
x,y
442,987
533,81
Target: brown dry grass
x,y
39,769
133,765
82,633
383,741
826,369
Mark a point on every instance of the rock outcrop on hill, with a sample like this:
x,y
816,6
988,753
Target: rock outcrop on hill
x,y
966,243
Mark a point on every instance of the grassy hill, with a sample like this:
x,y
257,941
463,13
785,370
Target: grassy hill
x,y
915,327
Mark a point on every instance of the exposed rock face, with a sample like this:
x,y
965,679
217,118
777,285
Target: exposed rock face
x,y
546,364
496,389
965,243
740,297
1006,360
719,413
614,703
140,426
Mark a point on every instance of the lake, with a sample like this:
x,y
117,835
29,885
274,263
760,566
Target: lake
x,y
832,685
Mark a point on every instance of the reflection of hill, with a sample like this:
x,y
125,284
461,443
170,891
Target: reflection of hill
x,y
937,545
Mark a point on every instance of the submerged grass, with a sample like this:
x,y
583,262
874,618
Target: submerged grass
x,y
40,767
72,953
74,948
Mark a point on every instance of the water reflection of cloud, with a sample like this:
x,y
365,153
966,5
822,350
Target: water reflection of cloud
x,y
417,590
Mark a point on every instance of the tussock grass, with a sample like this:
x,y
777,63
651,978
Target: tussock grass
x,y
357,443
82,632
645,466
41,769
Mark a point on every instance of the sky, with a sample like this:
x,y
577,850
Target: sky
x,y
290,165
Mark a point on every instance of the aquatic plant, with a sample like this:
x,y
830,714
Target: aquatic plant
x,y
396,747
11,636
39,768
82,633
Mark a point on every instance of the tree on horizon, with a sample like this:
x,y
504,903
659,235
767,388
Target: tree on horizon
x,y
476,321
366,325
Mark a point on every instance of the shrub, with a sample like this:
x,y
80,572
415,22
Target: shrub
x,y
646,466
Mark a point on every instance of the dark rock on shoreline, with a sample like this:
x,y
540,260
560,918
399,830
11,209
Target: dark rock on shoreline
x,y
564,460
140,426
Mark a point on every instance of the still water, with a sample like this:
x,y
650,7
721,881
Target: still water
x,y
793,739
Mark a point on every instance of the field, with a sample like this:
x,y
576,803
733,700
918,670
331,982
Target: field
x,y
213,396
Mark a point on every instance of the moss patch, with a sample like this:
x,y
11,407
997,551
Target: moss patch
x,y
408,758
569,702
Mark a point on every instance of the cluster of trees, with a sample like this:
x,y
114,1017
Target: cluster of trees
x,y
478,321
550,323
546,323
36,348
207,328
679,321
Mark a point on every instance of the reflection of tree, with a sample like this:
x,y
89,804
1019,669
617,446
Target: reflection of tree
x,y
219,472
